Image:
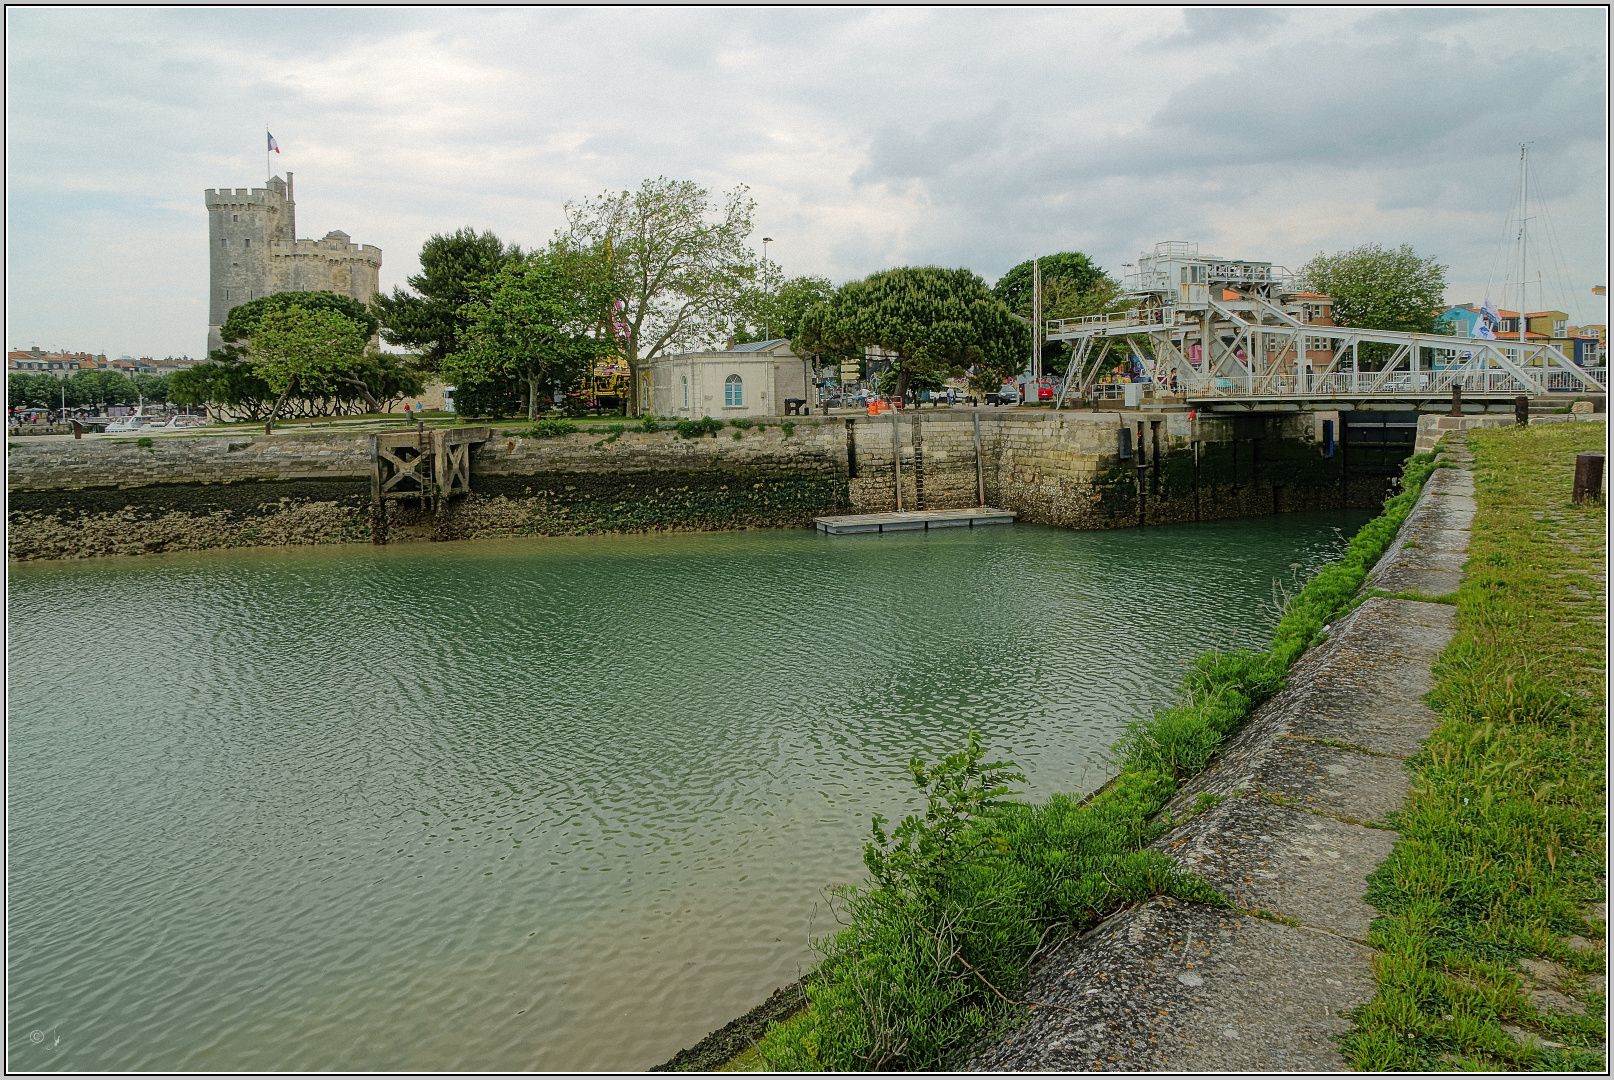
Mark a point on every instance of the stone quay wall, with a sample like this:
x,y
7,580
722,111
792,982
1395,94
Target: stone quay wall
x,y
1066,468
78,498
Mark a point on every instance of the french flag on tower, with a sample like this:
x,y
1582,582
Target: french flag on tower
x,y
272,144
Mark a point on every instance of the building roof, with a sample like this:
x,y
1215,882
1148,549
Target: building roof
x,y
1542,314
760,346
1312,296
1503,312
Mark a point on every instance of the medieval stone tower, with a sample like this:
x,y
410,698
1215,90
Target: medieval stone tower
x,y
254,252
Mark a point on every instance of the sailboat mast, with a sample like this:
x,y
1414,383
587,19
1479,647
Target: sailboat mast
x,y
1524,202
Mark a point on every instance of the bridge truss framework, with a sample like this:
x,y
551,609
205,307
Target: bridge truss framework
x,y
1234,331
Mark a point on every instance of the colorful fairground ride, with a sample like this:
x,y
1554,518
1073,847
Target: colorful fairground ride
x,y
609,382
604,386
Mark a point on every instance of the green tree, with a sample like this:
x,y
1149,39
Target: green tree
x,y
1376,288
304,350
933,319
231,387
676,277
774,307
431,318
36,390
99,387
537,320
242,321
376,378
1076,271
1073,286
152,388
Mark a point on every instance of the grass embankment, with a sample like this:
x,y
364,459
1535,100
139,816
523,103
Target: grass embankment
x,y
1502,840
962,898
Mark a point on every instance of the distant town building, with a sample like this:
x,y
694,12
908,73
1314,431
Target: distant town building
x,y
1580,345
253,252
62,364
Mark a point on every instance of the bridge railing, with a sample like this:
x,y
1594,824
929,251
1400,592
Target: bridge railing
x,y
1560,380
1135,317
1368,384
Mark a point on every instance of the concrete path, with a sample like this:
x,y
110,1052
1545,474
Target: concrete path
x,y
1306,783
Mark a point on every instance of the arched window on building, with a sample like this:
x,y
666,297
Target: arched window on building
x,y
733,392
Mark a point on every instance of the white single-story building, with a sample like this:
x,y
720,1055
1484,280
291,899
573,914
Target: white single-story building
x,y
755,379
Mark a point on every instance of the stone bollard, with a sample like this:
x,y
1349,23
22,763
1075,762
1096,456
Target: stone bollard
x,y
1588,477
1581,408
1521,409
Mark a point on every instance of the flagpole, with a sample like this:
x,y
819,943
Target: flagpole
x,y
266,172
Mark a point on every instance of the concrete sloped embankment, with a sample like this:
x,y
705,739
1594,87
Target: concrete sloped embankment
x,y
1306,786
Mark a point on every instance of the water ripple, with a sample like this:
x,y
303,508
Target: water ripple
x,y
560,804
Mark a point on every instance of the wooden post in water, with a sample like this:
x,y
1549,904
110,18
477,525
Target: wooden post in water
x,y
918,440
896,456
980,471
378,505
1196,477
442,481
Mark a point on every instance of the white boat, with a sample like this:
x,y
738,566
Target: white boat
x,y
177,422
137,422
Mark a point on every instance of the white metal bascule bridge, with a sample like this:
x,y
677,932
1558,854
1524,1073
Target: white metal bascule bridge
x,y
1234,334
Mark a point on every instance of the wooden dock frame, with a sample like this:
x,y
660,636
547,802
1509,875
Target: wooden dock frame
x,y
432,466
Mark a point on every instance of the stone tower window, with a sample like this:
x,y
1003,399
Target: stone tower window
x,y
223,242
248,241
235,217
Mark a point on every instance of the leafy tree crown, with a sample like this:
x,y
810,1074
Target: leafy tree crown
x,y
1378,288
1079,274
243,320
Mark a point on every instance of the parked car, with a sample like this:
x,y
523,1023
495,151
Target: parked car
x,y
1007,394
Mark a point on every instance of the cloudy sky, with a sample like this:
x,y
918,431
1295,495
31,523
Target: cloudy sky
x,y
869,138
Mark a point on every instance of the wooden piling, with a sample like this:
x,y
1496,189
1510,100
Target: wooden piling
x,y
980,470
378,505
1588,478
896,456
918,439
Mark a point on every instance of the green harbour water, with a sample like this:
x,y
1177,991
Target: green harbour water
x,y
535,804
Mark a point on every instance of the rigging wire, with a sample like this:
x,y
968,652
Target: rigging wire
x,y
1565,282
1501,239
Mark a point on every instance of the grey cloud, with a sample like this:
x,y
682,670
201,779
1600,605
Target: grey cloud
x,y
1209,26
900,154
870,136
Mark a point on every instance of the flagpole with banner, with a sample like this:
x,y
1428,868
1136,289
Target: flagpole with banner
x,y
269,144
